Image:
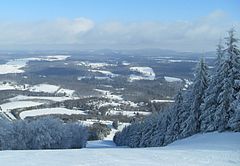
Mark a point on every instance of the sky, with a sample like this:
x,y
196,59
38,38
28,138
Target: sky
x,y
182,25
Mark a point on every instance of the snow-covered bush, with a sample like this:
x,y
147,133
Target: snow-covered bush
x,y
43,133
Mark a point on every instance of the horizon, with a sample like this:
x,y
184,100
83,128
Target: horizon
x,y
183,26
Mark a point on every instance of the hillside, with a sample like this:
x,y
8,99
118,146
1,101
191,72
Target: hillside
x,y
215,149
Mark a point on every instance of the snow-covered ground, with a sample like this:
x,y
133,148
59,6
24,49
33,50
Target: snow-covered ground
x,y
17,65
94,65
57,99
128,113
7,107
12,86
49,111
105,72
147,73
109,95
179,61
44,88
211,149
162,101
172,79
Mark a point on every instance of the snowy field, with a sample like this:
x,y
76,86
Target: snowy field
x,y
147,73
213,149
49,111
17,65
172,79
162,101
44,88
128,113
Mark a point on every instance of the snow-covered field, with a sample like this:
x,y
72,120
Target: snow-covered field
x,y
162,101
22,98
11,86
105,72
211,149
44,88
172,79
49,111
109,95
94,65
128,113
17,65
147,73
7,107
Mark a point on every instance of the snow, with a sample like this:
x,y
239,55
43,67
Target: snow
x,y
109,95
214,141
57,99
95,65
162,101
68,92
17,65
19,104
47,88
215,149
107,73
147,73
49,111
116,100
7,107
44,88
128,113
172,79
83,77
125,63
7,86
113,104
54,58
187,83
13,66
179,61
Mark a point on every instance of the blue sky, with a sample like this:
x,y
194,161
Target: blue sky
x,y
124,10
182,25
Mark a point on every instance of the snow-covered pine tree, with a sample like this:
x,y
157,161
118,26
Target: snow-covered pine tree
x,y
176,113
149,126
230,69
199,86
233,53
158,135
187,101
209,106
234,122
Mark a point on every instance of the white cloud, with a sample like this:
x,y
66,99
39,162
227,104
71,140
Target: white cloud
x,y
197,35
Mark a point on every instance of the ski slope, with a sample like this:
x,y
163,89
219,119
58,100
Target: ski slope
x,y
215,149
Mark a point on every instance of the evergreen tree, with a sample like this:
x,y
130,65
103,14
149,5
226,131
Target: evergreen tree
x,y
176,117
233,53
230,70
209,106
199,86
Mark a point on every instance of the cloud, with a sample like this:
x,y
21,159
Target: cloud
x,y
196,35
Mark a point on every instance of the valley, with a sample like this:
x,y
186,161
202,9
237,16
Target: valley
x,y
100,85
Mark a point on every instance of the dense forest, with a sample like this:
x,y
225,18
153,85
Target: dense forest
x,y
211,103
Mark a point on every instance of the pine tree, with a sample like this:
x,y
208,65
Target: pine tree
x,y
209,106
176,113
199,86
233,53
230,70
